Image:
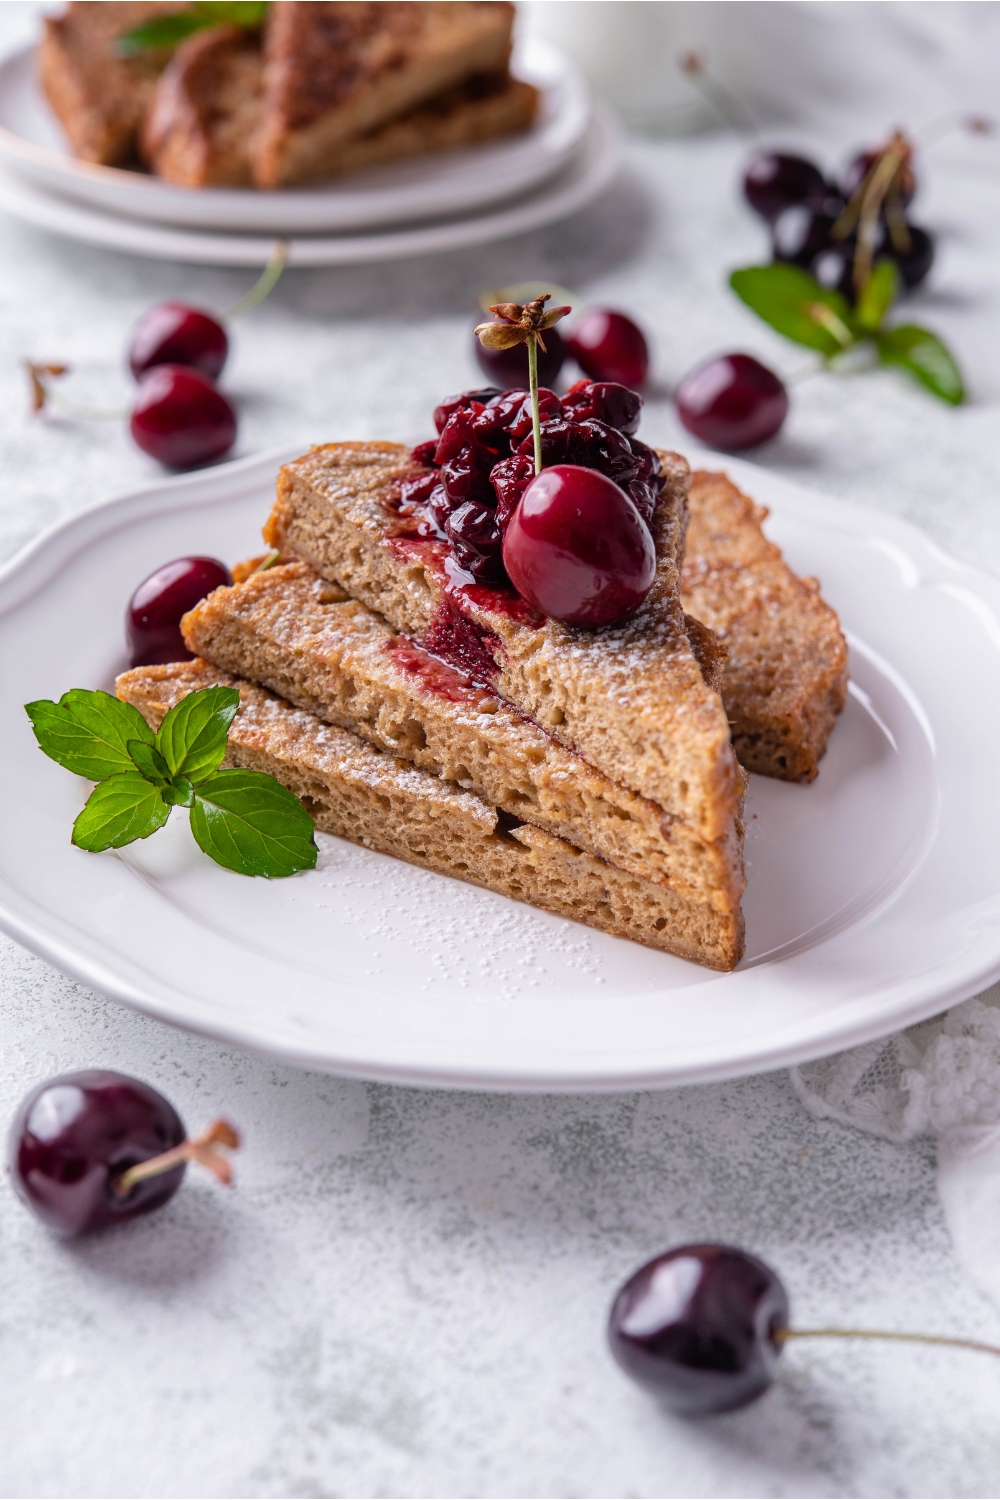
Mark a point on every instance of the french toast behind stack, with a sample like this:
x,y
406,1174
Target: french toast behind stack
x,y
99,97
357,792
785,677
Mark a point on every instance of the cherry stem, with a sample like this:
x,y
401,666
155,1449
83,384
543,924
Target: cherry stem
x,y
955,119
204,1150
694,65
536,425
782,1335
267,562
264,285
43,395
832,323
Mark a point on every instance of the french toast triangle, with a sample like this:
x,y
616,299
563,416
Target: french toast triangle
x,y
630,699
358,792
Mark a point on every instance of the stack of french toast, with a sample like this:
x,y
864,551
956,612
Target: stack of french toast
x,y
436,716
317,89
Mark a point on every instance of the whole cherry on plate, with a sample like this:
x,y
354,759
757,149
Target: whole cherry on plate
x,y
607,345
508,368
155,610
172,333
732,402
180,418
93,1148
578,549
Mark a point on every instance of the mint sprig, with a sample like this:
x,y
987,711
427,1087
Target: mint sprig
x,y
244,820
165,32
803,310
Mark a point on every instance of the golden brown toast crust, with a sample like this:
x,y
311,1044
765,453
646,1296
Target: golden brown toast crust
x,y
785,679
356,792
290,631
206,111
99,97
335,71
630,699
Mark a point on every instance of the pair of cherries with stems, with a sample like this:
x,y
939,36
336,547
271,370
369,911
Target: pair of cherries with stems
x,y
176,354
576,546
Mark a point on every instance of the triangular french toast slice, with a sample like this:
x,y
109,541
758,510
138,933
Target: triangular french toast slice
x,y
335,71
785,677
357,792
631,698
289,630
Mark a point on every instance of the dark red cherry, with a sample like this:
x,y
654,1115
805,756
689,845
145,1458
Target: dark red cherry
x,y
609,346
732,402
508,368
180,419
577,548
174,334
859,167
73,1136
775,180
915,262
701,1327
155,610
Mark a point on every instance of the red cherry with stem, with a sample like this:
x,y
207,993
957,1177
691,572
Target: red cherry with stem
x,y
181,419
577,548
732,401
609,346
859,167
702,1326
93,1148
172,333
508,368
776,180
155,610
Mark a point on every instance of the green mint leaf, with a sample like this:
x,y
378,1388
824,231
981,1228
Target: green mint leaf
x,y
149,763
925,357
797,306
250,823
877,296
161,33
180,792
119,811
192,737
248,13
88,732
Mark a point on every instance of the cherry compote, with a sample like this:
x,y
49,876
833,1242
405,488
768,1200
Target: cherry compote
x,y
608,346
172,333
509,367
732,402
155,610
701,1326
180,419
578,549
73,1139
776,180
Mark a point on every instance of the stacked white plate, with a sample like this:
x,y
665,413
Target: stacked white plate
x,y
432,203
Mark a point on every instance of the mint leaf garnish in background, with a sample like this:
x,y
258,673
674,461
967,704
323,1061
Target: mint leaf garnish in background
x,y
165,32
925,357
119,811
244,820
88,733
797,306
250,823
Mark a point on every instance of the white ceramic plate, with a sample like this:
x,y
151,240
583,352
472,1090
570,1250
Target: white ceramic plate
x,y
873,898
430,187
587,175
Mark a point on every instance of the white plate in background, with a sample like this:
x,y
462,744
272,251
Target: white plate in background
x,y
873,898
418,190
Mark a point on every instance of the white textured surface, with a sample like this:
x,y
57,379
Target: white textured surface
x,y
404,1294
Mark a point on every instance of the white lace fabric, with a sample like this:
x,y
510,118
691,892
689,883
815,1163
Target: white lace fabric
x,y
940,1078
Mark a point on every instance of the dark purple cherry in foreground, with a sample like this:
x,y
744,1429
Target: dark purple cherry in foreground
x,y
609,346
702,1326
171,333
776,180
75,1136
155,610
732,402
578,549
180,419
508,368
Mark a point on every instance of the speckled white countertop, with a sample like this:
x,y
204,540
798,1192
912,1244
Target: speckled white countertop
x,y
405,1292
